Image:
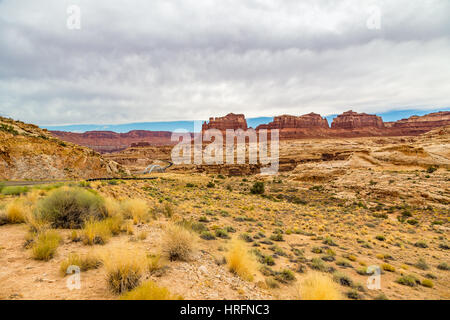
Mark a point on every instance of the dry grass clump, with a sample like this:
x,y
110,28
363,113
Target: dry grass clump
x,y
317,286
70,207
240,261
45,245
113,207
17,211
135,209
150,291
85,262
96,232
179,243
124,269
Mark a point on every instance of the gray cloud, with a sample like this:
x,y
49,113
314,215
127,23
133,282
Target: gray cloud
x,y
175,60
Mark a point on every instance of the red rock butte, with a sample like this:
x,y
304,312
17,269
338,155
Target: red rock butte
x,y
352,120
230,121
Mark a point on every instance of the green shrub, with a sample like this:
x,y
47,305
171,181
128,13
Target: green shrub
x,y
276,237
45,245
408,280
444,266
427,283
221,233
329,241
9,129
343,279
421,264
421,244
257,188
285,276
69,208
206,235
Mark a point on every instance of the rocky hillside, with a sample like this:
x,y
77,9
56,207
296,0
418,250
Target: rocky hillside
x,y
28,152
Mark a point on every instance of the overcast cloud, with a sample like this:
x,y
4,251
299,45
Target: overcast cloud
x,y
135,61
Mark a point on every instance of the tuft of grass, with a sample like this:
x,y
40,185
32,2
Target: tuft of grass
x,y
443,266
69,208
408,280
421,264
96,232
427,283
343,279
45,245
17,211
124,269
387,267
178,243
317,286
135,209
240,261
86,262
150,291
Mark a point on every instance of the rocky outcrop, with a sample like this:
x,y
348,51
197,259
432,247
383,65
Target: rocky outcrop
x,y
230,121
416,125
28,152
108,141
310,120
352,120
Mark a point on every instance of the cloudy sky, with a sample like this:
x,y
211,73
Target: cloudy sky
x,y
159,60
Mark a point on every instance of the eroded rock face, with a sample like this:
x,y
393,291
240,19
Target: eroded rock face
x,y
310,120
416,125
230,121
353,120
108,141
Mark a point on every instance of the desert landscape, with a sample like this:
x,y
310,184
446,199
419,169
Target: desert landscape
x,y
347,197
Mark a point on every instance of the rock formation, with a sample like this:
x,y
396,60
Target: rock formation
x,y
416,125
28,152
352,120
108,141
230,121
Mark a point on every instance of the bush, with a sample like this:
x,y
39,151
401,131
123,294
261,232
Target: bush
x,y
444,266
421,244
285,276
408,280
96,232
222,233
210,185
387,267
316,286
17,211
343,279
45,245
240,261
85,263
257,188
69,208
135,209
206,235
150,291
276,237
178,243
427,283
421,264
329,241
124,269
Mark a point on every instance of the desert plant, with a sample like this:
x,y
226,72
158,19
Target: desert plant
x,y
124,269
206,235
71,207
240,261
86,262
408,280
257,188
45,245
15,190
427,283
443,266
17,211
150,291
317,286
179,243
135,209
96,232
421,264
387,267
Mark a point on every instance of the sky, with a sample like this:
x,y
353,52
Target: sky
x,y
178,60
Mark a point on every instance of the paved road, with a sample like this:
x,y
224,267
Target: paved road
x,y
32,183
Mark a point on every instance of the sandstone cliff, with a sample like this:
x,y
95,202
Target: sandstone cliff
x,y
28,152
352,120
230,121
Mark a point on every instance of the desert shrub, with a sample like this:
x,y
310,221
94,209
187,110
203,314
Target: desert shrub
x,y
387,267
124,269
343,279
380,237
178,243
276,237
113,208
257,188
318,264
316,250
240,261
71,207
206,235
246,237
343,263
44,247
150,291
192,225
427,283
272,283
431,169
154,263
96,232
329,241
408,280
268,260
17,211
222,233
421,264
353,294
114,224
135,209
210,185
15,190
443,266
421,244
142,235
316,286
285,276
86,262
